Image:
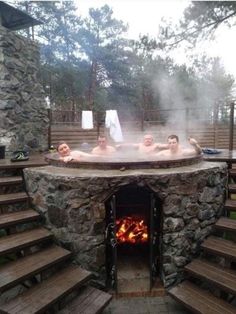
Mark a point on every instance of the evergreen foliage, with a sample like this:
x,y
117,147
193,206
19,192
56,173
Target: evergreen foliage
x,y
87,63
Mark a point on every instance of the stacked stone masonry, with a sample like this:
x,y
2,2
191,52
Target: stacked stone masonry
x,y
23,114
73,204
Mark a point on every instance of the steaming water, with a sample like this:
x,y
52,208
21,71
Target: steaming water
x,y
125,156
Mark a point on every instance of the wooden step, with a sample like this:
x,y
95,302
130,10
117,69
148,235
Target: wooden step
x,y
89,301
12,198
230,205
14,218
220,247
232,188
232,173
225,279
40,297
199,300
18,241
15,272
11,180
226,224
34,161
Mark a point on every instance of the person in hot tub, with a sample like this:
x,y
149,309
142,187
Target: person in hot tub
x,y
147,146
175,150
103,149
66,154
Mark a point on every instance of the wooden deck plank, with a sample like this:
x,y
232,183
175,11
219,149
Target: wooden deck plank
x,y
89,301
21,269
226,224
220,247
15,242
199,300
12,198
13,218
11,180
232,188
230,205
34,161
42,296
223,278
232,172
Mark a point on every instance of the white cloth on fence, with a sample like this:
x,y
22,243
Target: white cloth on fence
x,y
87,119
112,122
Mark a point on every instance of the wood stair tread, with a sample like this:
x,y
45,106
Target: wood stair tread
x,y
232,172
14,218
89,301
11,180
199,300
230,205
232,188
17,241
222,277
220,246
40,297
226,224
13,198
14,272
34,161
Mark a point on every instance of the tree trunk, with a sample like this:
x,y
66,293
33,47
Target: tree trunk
x,y
92,85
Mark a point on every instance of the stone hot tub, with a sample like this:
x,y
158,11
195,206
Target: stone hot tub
x,y
178,207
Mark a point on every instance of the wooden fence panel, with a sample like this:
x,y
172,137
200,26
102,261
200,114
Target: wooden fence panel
x,y
212,136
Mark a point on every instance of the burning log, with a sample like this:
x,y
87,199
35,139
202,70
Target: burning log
x,y
131,230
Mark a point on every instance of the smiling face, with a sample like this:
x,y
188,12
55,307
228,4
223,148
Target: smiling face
x,y
63,150
148,140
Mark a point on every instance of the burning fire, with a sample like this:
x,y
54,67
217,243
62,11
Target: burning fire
x,y
131,230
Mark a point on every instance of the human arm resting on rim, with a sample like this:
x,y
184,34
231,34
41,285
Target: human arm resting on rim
x,y
195,145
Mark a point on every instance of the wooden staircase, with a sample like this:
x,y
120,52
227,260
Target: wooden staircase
x,y
42,272
210,286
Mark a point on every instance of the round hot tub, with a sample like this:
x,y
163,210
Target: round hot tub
x,y
123,162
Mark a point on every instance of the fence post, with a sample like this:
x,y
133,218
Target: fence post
x,y
49,127
231,127
98,123
187,122
142,120
215,125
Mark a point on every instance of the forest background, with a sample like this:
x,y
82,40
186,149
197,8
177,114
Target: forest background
x,y
90,64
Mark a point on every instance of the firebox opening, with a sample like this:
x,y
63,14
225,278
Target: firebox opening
x,y
133,233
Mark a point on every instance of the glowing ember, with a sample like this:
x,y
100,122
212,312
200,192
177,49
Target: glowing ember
x,y
131,230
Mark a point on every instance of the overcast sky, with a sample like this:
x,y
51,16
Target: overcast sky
x,y
144,16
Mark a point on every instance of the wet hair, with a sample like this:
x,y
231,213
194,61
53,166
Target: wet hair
x,y
173,136
59,144
102,136
148,135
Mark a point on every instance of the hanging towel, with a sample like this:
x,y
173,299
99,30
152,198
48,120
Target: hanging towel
x,y
112,122
87,119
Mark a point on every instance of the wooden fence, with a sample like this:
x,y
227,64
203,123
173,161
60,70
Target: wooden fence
x,y
210,132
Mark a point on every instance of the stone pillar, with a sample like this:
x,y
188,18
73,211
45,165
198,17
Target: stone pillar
x,y
23,113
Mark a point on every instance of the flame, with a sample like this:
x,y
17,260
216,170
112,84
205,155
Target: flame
x,y
131,230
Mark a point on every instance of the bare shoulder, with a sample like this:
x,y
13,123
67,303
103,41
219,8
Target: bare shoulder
x,y
111,149
161,146
95,150
78,153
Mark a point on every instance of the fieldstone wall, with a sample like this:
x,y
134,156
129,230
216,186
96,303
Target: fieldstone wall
x,y
72,203
23,114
